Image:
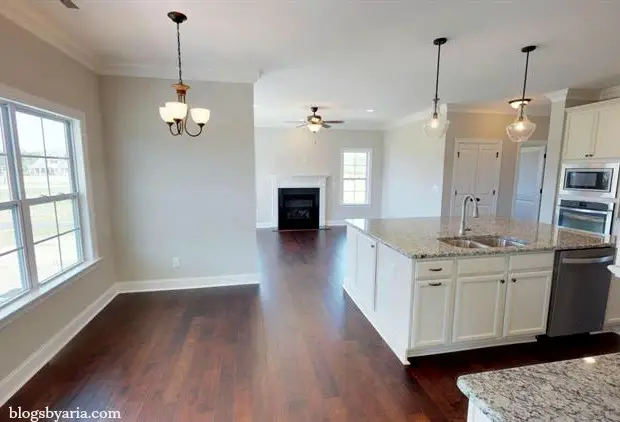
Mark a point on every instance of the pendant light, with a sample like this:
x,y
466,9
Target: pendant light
x,y
522,128
175,113
436,127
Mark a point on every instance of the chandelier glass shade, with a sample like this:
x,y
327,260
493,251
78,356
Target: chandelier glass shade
x,y
175,113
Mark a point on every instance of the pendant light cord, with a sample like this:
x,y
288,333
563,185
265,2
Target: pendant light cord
x,y
436,99
179,53
527,63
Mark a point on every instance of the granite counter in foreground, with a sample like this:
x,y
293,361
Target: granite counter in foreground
x,y
573,390
416,238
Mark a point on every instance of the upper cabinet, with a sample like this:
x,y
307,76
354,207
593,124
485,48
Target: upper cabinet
x,y
593,131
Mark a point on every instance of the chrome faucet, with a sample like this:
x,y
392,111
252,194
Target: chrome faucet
x,y
463,229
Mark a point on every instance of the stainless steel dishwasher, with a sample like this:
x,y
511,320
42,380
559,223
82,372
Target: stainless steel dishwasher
x,y
579,291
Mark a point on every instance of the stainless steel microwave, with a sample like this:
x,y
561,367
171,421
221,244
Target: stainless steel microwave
x,y
598,180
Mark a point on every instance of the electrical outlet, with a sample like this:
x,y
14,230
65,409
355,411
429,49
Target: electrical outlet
x,y
176,262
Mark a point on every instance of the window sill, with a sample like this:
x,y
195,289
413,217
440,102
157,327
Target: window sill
x,y
29,300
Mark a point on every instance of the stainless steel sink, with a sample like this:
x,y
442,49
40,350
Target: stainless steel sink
x,y
482,242
462,243
499,241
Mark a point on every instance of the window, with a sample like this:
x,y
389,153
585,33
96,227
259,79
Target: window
x,y
355,177
40,230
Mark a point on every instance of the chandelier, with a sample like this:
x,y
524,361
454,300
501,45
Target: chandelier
x,y
175,113
522,128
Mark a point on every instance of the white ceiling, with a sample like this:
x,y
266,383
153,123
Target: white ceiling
x,y
353,55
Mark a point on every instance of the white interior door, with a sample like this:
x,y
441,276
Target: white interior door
x,y
529,182
476,172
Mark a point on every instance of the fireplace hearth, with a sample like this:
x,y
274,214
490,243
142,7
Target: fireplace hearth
x,y
298,208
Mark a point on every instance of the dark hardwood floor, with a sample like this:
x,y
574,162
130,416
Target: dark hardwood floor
x,y
293,349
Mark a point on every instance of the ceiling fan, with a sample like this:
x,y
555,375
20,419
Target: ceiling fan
x,y
315,122
69,4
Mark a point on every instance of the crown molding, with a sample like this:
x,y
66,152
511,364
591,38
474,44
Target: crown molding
x,y
610,93
556,96
573,94
532,110
191,73
25,15
415,117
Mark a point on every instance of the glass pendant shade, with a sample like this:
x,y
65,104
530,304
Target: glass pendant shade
x,y
314,127
521,129
166,114
178,110
436,126
200,115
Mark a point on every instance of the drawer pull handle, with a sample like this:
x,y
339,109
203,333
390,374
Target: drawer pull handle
x,y
435,284
435,270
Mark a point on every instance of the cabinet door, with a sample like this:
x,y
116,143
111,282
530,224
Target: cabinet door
x,y
478,308
527,303
579,135
612,317
432,304
351,257
607,132
366,266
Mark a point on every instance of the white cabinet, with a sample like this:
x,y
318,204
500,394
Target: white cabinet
x,y
478,308
579,134
432,313
607,130
592,131
612,317
349,280
527,303
365,273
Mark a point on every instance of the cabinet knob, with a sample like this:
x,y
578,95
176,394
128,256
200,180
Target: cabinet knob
x,y
514,280
502,281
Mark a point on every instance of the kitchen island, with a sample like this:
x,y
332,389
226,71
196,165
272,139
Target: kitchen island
x,y
585,389
425,295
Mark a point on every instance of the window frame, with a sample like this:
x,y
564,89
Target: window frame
x,y
368,178
33,288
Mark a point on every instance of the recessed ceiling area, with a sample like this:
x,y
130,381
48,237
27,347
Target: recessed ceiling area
x,y
350,56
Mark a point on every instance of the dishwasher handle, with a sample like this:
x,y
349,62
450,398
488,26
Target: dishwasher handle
x,y
598,260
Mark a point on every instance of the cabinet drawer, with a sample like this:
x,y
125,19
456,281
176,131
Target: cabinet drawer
x,y
475,266
434,269
531,262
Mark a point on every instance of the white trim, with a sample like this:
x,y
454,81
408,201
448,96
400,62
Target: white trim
x,y
368,178
556,96
536,109
33,363
415,117
26,16
187,283
610,93
480,344
329,223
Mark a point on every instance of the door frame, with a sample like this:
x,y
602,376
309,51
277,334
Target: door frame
x,y
457,144
516,177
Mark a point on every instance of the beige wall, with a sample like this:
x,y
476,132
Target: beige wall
x,y
34,67
191,198
412,172
487,126
281,151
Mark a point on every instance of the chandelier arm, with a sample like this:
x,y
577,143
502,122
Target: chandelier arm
x,y
173,133
193,135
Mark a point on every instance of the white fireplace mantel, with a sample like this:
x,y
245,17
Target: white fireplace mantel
x,y
298,181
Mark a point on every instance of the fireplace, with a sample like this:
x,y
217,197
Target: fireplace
x,y
298,208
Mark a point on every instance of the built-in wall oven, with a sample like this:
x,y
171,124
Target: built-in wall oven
x,y
591,216
590,179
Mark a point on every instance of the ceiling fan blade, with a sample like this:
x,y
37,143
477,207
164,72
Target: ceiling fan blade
x,y
337,122
302,124
69,4
295,121
325,125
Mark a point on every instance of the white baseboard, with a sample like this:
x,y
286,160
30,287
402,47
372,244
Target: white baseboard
x,y
33,363
333,223
264,226
329,223
16,379
187,283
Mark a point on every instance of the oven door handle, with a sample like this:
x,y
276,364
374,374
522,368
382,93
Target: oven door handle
x,y
601,213
584,218
600,260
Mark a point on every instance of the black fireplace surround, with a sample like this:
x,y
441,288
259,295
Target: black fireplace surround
x,y
298,208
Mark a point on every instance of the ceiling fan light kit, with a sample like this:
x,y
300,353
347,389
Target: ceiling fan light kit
x,y
175,113
437,125
522,128
315,122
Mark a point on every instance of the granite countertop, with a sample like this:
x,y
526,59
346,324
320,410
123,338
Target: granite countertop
x,y
417,237
574,390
